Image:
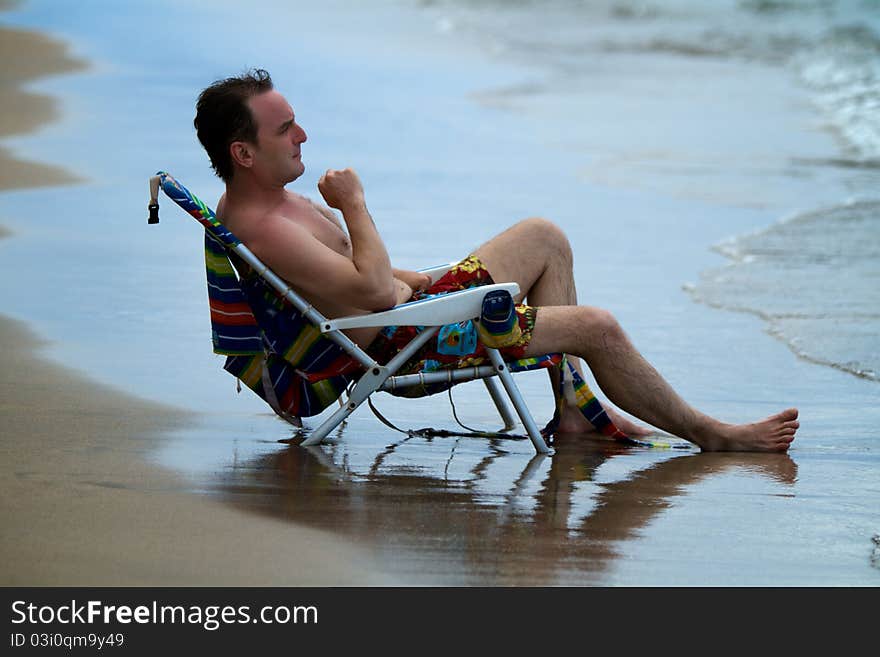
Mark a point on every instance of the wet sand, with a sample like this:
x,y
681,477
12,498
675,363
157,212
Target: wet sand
x,y
466,512
27,56
81,505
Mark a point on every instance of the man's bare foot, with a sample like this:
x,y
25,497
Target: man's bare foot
x,y
774,434
573,421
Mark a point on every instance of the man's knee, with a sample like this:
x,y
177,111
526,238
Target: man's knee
x,y
601,323
550,235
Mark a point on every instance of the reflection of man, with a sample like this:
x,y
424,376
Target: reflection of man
x,y
250,133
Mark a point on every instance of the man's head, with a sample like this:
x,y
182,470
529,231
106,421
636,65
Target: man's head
x,y
244,123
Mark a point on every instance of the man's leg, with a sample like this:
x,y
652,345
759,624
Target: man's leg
x,y
636,387
536,254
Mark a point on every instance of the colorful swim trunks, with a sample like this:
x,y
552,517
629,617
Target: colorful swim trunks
x,y
456,345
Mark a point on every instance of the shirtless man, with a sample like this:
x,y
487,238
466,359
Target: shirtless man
x,y
250,133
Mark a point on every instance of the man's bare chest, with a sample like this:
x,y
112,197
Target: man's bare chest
x,y
303,212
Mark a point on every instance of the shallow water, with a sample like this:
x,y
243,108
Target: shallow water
x,y
814,278
645,153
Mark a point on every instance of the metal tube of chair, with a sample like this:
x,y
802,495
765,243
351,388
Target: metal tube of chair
x,y
369,383
518,402
500,404
317,436
411,348
442,376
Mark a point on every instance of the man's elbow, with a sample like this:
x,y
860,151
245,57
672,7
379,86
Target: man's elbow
x,y
384,300
377,299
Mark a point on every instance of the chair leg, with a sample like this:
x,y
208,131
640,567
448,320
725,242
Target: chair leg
x,y
518,402
368,384
498,398
317,436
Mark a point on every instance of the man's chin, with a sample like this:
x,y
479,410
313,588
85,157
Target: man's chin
x,y
298,171
293,175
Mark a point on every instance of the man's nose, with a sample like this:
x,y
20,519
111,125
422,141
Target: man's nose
x,y
299,134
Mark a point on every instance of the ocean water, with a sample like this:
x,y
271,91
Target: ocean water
x,y
650,131
815,279
820,261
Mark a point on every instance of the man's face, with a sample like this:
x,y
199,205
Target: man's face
x,y
277,154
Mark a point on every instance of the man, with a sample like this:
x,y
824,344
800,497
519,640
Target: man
x,y
250,133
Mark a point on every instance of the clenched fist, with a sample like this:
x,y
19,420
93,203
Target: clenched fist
x,y
342,189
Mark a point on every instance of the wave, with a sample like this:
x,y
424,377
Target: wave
x,y
832,46
814,278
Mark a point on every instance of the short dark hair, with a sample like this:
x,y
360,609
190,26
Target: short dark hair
x,y
223,116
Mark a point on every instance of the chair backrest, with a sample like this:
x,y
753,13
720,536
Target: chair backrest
x,y
270,346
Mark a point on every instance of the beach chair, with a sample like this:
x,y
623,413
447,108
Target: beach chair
x,y
300,362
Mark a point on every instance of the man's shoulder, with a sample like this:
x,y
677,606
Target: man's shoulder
x,y
248,221
258,223
272,222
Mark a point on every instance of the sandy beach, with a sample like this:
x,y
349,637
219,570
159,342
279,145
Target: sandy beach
x,y
28,56
81,505
649,137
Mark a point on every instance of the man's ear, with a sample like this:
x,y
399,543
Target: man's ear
x,y
242,153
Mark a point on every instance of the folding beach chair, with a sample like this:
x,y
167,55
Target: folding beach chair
x,y
300,362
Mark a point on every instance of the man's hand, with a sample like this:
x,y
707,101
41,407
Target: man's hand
x,y
414,279
404,291
342,190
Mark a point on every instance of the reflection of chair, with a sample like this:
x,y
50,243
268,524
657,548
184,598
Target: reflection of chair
x,y
300,362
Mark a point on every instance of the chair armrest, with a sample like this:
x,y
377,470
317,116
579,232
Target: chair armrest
x,y
445,309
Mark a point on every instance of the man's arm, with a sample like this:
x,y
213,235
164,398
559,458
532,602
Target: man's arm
x,y
294,253
413,279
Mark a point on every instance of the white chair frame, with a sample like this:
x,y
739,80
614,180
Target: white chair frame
x,y
432,314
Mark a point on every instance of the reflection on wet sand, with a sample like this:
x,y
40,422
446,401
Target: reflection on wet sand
x,y
469,512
